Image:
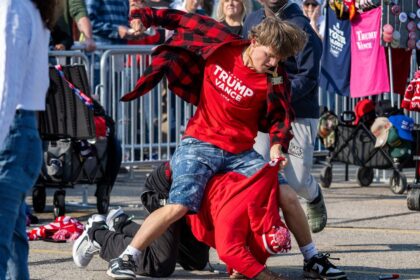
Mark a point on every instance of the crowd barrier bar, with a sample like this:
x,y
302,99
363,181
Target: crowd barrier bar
x,y
70,57
150,127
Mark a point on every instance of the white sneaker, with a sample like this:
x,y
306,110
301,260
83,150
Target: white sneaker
x,y
84,248
116,218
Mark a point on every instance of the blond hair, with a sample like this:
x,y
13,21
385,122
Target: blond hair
x,y
286,39
246,8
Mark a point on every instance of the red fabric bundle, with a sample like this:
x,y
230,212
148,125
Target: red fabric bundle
x,y
239,216
63,228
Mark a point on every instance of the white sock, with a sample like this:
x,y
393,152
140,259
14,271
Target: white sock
x,y
130,250
308,251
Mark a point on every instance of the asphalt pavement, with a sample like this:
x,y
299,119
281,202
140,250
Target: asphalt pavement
x,y
369,229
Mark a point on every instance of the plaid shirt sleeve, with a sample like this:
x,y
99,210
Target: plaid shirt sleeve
x,y
280,114
191,28
167,18
181,58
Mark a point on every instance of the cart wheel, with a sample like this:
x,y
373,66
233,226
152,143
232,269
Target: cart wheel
x,y
38,198
413,199
59,203
102,197
326,177
398,183
364,176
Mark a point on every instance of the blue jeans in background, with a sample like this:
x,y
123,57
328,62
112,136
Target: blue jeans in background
x,y
20,164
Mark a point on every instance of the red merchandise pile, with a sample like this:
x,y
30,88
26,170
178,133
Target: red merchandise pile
x,y
411,99
63,228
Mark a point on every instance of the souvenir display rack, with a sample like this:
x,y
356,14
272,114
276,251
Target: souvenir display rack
x,y
400,24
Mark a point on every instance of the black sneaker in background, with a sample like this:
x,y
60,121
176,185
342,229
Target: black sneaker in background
x,y
122,268
320,267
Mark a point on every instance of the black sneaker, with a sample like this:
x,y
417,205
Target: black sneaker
x,y
122,268
319,267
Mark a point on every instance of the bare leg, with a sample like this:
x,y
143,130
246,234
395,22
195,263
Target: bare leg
x,y
156,224
294,215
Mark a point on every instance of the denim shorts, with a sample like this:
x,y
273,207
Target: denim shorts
x,y
195,162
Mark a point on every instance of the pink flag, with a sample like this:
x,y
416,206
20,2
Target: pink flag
x,y
369,74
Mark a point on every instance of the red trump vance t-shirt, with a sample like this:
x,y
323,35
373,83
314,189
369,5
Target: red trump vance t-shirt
x,y
231,102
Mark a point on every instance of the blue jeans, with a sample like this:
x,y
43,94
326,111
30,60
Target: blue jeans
x,y
195,162
20,164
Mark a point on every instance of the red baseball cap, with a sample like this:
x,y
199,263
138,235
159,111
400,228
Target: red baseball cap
x,y
363,107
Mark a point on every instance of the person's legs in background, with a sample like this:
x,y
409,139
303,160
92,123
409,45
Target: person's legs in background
x,y
298,171
18,262
19,169
111,235
327,99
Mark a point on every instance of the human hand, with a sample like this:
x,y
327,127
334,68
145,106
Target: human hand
x,y
316,13
90,44
134,35
276,153
137,26
123,31
59,47
312,12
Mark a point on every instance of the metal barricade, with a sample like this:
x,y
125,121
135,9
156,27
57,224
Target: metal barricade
x,y
150,127
69,57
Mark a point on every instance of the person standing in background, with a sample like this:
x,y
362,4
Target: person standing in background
x,y
303,72
24,81
232,13
75,10
109,21
62,37
312,9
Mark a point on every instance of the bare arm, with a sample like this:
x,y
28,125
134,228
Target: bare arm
x,y
85,27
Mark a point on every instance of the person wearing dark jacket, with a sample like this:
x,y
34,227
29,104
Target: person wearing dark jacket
x,y
109,236
303,72
244,234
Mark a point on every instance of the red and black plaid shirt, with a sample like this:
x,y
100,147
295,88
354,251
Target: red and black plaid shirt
x,y
182,59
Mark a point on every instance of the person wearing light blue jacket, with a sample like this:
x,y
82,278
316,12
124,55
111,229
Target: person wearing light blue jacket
x,y
24,32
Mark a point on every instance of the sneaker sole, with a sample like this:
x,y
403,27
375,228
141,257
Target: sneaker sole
x,y
314,275
120,276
